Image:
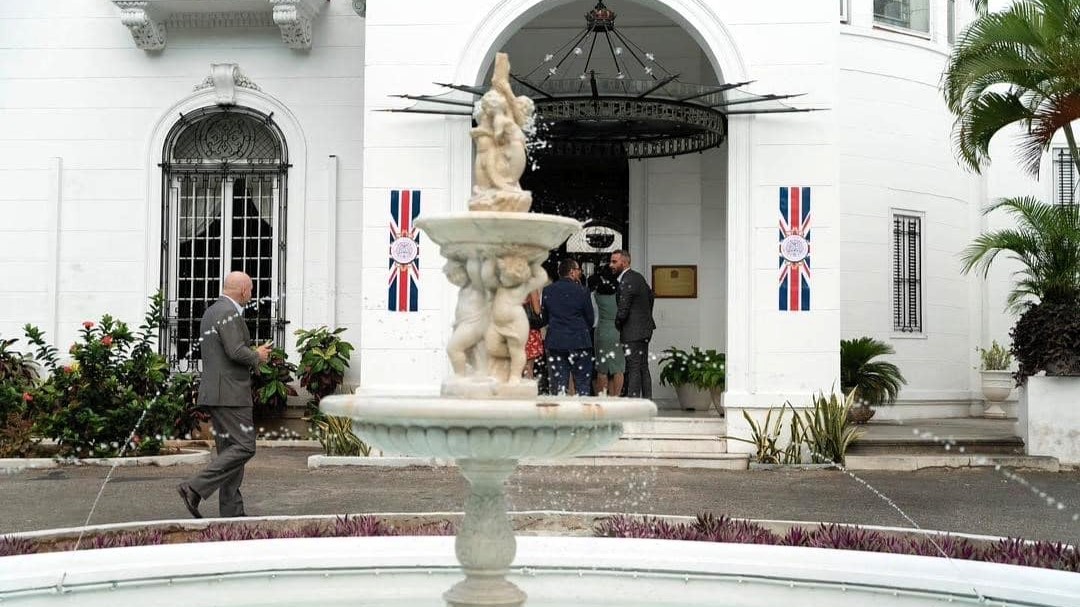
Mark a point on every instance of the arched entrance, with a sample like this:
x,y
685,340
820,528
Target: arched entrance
x,y
676,210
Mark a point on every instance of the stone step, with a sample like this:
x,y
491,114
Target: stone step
x,y
675,459
918,462
644,444
917,446
716,426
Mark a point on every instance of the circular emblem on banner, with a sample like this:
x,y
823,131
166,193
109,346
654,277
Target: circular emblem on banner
x,y
404,251
794,248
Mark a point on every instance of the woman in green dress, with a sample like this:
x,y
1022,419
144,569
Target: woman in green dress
x,y
610,354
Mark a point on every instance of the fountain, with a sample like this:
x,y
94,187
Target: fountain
x,y
488,417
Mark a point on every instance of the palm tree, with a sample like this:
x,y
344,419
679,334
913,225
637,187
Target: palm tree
x,y
1020,65
875,382
1046,242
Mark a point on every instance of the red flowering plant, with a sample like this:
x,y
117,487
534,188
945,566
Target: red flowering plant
x,y
18,374
117,396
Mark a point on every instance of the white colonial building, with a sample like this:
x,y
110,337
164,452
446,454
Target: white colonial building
x,y
154,144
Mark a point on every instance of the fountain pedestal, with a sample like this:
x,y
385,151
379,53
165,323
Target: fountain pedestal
x,y
485,544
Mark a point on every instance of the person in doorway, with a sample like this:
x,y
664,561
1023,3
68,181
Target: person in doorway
x,y
634,320
567,311
225,389
610,355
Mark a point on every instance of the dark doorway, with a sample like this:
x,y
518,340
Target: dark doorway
x,y
595,191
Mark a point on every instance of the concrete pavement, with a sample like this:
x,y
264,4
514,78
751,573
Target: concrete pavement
x,y
278,481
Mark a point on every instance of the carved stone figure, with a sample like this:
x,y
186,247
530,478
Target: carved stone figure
x,y
471,318
500,140
513,279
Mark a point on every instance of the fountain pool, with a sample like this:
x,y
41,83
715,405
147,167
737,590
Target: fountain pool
x,y
554,571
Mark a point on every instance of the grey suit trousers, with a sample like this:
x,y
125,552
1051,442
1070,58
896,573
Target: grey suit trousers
x,y
638,377
235,441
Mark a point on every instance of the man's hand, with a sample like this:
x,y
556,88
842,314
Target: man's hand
x,y
264,352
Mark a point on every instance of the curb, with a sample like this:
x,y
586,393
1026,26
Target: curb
x,y
908,463
189,456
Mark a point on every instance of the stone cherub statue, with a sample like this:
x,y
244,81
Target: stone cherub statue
x,y
499,137
471,318
512,277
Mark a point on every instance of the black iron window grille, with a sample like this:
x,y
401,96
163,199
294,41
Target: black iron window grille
x,y
907,274
224,175
1064,177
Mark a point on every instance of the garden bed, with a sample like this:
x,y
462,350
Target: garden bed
x,y
170,456
704,528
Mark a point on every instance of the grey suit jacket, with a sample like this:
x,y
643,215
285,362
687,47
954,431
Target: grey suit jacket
x,y
227,357
634,318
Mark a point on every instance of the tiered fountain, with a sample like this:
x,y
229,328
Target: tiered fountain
x,y
488,417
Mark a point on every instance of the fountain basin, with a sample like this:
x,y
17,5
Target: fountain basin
x,y
543,426
579,572
480,230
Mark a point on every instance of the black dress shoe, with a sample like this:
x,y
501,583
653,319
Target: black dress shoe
x,y
191,499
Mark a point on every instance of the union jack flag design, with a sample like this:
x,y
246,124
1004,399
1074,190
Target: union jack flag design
x,y
404,251
794,249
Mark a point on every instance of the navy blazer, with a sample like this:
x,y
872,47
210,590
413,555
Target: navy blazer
x,y
568,313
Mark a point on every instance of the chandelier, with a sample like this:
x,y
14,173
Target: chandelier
x,y
602,94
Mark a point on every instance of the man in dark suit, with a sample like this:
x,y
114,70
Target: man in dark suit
x,y
634,320
568,313
225,389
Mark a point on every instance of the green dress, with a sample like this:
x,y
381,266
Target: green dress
x,y
610,354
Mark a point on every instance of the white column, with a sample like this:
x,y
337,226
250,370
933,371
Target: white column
x,y
740,356
331,239
56,195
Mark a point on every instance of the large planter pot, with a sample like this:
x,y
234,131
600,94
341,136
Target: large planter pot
x,y
996,387
692,398
1049,417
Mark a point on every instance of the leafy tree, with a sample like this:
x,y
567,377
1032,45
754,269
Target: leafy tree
x,y
1016,66
1046,242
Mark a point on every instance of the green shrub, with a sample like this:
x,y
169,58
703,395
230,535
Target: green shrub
x,y
337,438
324,356
116,396
18,374
827,429
270,389
876,382
995,358
1046,338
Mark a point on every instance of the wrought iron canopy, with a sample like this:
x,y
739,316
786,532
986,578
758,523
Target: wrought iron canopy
x,y
601,94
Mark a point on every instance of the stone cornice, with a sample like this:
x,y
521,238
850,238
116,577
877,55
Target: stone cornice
x,y
148,20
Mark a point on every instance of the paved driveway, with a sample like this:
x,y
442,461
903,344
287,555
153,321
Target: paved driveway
x,y
279,482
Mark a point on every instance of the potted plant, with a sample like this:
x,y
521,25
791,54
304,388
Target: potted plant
x,y
997,380
270,389
324,356
697,376
874,382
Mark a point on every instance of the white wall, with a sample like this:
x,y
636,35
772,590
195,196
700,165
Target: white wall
x,y
74,86
896,154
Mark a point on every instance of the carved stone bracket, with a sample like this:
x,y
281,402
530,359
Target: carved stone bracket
x,y
294,17
360,6
225,78
148,32
147,19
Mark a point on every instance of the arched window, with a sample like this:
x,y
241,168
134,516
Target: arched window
x,y
223,181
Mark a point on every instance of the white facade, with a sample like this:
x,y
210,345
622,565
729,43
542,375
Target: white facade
x,y
84,113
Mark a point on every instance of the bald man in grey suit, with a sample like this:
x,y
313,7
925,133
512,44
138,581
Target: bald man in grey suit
x,y
225,389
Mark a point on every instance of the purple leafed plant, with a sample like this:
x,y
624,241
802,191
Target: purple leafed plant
x,y
14,546
361,526
125,539
710,528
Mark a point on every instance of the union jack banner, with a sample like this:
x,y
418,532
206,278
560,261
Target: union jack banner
x,y
794,249
403,293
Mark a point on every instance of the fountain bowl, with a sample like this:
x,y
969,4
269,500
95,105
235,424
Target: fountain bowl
x,y
487,232
541,427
